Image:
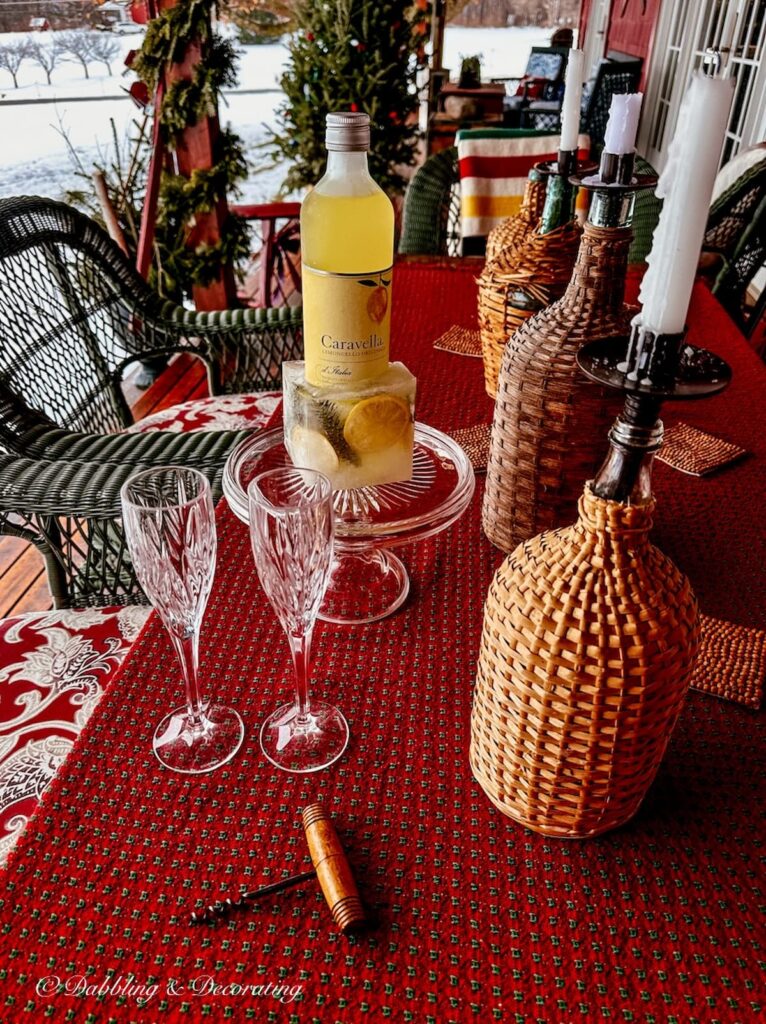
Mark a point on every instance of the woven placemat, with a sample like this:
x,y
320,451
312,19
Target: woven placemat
x,y
731,662
475,442
463,341
695,451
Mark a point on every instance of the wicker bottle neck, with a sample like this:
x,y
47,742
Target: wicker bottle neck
x,y
534,200
559,204
598,279
613,523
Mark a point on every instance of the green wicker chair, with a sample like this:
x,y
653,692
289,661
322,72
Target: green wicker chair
x,y
431,221
733,210
736,234
431,215
739,268
73,315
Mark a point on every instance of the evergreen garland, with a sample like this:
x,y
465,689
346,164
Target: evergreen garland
x,y
177,267
358,55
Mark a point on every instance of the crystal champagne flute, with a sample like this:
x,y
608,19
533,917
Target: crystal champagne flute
x,y
292,530
170,529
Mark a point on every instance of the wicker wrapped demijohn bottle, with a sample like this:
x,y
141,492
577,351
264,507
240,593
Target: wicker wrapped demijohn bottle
x,y
514,229
522,278
590,634
549,420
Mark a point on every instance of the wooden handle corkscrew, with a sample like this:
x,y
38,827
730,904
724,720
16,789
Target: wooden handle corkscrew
x,y
332,868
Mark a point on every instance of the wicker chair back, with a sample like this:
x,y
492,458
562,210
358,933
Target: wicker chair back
x,y
73,314
65,319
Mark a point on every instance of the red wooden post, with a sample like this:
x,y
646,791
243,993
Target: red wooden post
x,y
149,212
195,151
267,255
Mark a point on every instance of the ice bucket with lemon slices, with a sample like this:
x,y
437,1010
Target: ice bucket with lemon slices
x,y
359,434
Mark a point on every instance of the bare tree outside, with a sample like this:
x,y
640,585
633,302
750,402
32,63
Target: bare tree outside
x,y
78,44
47,56
12,56
104,49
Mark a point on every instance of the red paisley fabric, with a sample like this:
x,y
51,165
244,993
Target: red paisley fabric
x,y
224,412
54,666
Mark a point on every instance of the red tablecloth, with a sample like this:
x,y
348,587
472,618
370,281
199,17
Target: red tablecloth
x,y
715,528
477,919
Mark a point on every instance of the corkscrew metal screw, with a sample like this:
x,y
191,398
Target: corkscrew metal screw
x,y
331,869
222,908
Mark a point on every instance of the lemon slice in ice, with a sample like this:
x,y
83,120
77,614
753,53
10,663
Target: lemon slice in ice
x,y
377,423
312,450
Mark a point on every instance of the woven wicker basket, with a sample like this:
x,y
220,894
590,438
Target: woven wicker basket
x,y
539,267
550,421
516,228
589,640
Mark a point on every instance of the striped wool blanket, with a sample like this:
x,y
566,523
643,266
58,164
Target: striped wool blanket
x,y
494,164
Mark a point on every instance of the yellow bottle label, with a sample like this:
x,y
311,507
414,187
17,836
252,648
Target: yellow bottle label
x,y
346,325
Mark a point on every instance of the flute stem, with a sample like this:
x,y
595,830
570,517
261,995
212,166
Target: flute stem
x,y
300,647
187,648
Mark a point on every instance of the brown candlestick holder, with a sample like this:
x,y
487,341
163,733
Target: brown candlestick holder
x,y
586,653
519,283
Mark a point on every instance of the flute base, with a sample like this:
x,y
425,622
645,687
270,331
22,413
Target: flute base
x,y
307,745
366,585
190,747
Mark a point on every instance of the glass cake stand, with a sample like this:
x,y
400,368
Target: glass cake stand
x,y
368,581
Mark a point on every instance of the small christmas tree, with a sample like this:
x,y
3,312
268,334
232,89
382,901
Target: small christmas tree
x,y
358,55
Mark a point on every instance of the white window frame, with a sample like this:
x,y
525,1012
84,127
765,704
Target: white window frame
x,y
594,43
688,23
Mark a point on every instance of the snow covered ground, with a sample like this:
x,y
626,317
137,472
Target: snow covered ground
x,y
503,51
36,118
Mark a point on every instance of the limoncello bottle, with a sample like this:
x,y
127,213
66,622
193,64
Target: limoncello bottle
x,y
347,245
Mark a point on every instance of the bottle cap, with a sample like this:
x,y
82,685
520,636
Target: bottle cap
x,y
348,132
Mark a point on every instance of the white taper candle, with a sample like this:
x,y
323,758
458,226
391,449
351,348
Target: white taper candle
x,y
570,108
622,126
686,186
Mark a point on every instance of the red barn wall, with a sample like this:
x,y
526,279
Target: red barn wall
x,y
631,26
584,14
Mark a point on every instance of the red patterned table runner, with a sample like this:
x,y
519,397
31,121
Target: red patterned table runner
x,y
476,919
